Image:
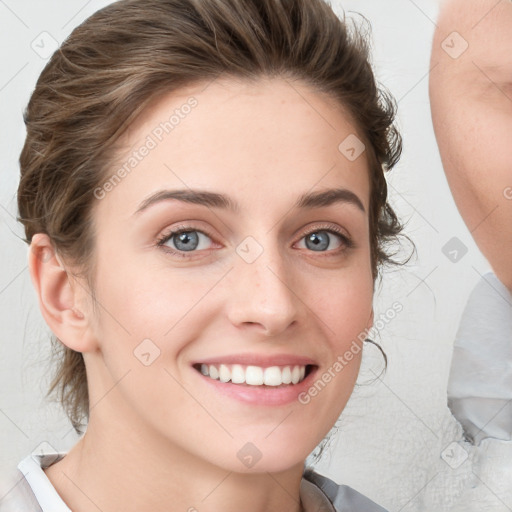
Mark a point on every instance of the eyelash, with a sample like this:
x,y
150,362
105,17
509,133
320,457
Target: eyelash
x,y
347,243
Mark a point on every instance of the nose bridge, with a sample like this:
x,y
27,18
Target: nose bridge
x,y
262,288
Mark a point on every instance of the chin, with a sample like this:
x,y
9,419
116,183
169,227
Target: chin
x,y
266,457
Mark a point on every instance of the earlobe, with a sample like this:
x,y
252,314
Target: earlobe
x,y
58,298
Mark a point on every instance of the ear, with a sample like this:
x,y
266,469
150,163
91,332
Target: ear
x,y
60,296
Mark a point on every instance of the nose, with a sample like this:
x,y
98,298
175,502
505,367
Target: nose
x,y
262,294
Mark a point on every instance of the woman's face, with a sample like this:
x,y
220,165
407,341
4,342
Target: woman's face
x,y
266,278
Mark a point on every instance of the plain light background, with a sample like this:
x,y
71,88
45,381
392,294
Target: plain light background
x,y
394,429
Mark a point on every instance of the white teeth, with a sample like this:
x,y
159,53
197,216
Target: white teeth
x,y
272,376
237,374
224,373
255,375
213,372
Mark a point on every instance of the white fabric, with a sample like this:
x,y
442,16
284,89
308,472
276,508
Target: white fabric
x,y
480,382
46,495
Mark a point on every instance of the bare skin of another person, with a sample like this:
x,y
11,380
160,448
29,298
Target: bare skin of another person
x,y
471,101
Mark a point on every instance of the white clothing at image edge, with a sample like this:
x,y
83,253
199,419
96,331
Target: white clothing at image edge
x,y
31,491
480,382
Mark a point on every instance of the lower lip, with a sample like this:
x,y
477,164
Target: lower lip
x,y
261,395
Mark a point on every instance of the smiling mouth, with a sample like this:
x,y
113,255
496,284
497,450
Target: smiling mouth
x,y
247,375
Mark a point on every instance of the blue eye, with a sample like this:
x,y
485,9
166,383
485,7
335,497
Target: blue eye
x,y
184,241
320,239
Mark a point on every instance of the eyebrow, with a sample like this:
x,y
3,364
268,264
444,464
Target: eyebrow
x,y
216,200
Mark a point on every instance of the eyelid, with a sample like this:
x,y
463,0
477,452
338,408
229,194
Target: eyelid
x,y
332,228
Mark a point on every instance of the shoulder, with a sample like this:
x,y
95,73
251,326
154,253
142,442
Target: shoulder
x,y
342,497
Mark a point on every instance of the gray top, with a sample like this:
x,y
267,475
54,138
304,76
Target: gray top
x,y
30,490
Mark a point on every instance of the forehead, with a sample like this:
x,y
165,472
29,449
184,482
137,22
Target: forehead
x,y
263,142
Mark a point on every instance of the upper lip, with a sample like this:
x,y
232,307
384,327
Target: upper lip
x,y
259,360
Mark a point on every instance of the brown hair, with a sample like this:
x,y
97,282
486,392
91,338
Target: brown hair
x,y
132,51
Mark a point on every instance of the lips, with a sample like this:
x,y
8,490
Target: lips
x,y
257,380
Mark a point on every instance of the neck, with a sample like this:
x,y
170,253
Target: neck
x,y
121,465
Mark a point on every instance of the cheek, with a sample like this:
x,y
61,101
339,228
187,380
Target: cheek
x,y
147,315
344,304
142,324
345,314
147,301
